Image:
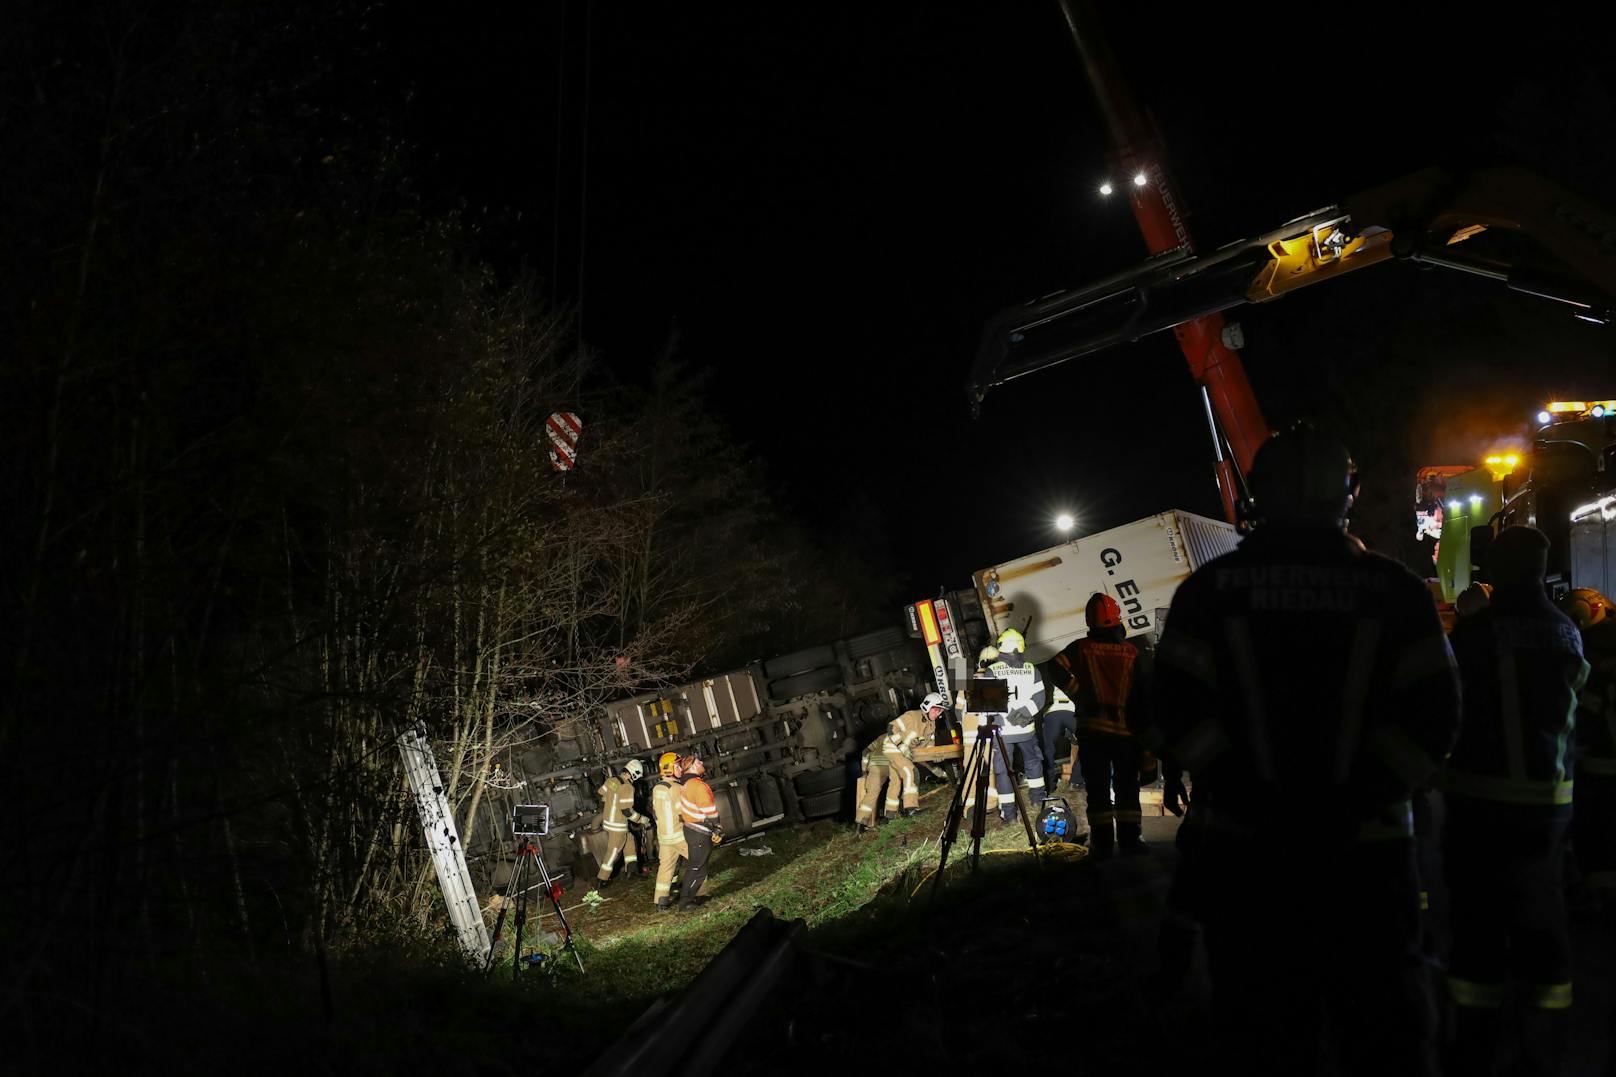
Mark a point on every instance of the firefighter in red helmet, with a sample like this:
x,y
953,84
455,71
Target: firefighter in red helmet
x,y
1110,678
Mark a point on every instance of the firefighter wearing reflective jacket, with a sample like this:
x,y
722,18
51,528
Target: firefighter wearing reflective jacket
x,y
1593,820
1308,686
671,848
699,813
1060,720
1019,725
889,761
618,795
1508,792
1111,678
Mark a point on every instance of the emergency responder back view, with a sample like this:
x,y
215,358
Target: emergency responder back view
x,y
1308,687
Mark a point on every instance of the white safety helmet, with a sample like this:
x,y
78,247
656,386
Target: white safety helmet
x,y
987,656
933,699
635,768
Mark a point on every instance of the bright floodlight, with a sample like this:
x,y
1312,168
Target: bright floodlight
x,y
1140,179
1105,188
1475,499
1543,418
1454,505
1064,521
1599,411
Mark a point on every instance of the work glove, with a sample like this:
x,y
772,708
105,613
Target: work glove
x,y
1174,796
718,834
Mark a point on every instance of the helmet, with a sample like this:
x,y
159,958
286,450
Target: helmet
x,y
933,699
1474,599
635,768
987,656
667,765
1011,642
1102,612
691,764
1585,606
1305,475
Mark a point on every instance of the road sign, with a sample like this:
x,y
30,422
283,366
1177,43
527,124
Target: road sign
x,y
563,428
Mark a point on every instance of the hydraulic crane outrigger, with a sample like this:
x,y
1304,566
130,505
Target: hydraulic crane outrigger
x,y
1516,228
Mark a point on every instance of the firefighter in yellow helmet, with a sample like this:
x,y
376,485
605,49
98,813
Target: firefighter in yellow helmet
x,y
671,846
618,795
1593,818
1018,725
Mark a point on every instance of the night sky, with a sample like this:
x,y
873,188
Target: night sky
x,y
829,201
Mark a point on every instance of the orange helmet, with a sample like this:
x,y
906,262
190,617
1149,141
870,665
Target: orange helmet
x,y
1585,606
1102,612
692,765
667,765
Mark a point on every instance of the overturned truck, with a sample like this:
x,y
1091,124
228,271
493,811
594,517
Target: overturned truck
x,y
780,739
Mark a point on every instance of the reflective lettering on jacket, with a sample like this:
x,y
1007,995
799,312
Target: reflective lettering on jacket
x,y
1026,693
1300,665
697,809
1522,670
665,799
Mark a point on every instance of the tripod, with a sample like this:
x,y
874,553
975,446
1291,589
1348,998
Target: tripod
x,y
978,767
530,865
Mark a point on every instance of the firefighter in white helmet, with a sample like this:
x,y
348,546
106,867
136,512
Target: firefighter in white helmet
x,y
618,795
1018,725
889,761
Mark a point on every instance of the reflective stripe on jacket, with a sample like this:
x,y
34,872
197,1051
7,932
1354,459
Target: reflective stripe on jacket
x,y
619,798
1106,674
1521,666
909,730
1026,693
1302,666
696,805
665,806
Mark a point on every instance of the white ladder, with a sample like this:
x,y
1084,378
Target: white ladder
x,y
443,841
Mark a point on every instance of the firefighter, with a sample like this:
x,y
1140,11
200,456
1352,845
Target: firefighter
x,y
889,761
969,721
1508,793
1593,821
698,812
618,794
671,848
1110,684
1060,720
1019,724
1308,686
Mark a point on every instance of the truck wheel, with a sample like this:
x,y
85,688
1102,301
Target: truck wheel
x,y
821,781
788,793
800,662
805,683
823,804
887,639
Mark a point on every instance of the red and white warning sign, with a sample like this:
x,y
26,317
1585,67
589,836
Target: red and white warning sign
x,y
563,428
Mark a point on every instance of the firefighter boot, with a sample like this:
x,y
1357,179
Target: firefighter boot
x,y
1475,1040
1102,841
662,905
1129,841
601,884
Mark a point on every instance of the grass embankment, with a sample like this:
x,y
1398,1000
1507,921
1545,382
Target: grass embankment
x,y
818,874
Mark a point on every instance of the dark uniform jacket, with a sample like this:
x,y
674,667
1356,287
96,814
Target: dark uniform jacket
x,y
1109,675
1520,661
1301,669
1596,715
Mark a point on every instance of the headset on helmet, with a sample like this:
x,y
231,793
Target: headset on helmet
x,y
987,656
635,768
1011,642
1102,611
667,764
933,699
